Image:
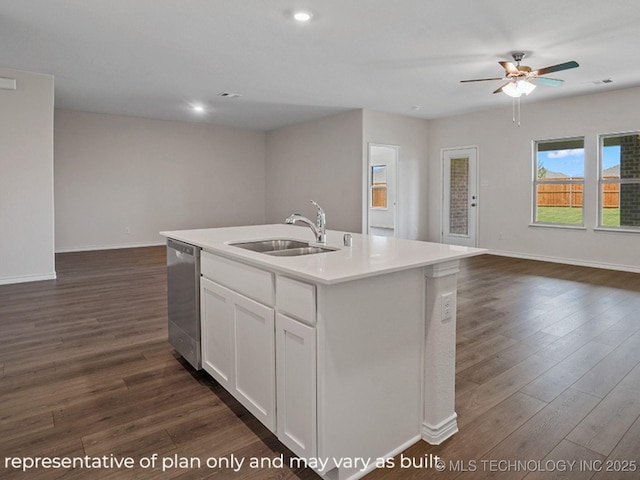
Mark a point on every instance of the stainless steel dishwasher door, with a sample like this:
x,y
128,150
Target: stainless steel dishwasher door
x,y
183,299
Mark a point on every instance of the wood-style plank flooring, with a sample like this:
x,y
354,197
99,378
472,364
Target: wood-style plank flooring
x,y
548,373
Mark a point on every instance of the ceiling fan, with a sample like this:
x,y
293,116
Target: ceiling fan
x,y
522,80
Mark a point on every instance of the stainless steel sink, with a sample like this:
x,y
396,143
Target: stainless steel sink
x,y
270,245
294,252
282,247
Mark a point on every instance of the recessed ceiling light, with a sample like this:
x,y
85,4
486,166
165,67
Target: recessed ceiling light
x,y
301,16
197,108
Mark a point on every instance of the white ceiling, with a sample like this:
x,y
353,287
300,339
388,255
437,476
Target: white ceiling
x,y
152,58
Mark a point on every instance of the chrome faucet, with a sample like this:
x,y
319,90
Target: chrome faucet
x,y
319,228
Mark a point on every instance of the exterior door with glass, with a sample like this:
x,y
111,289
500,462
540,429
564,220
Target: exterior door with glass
x,y
460,196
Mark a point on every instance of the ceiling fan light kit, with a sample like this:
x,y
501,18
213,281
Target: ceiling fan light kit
x,y
522,80
518,88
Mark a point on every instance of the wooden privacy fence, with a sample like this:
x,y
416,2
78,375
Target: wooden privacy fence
x,y
570,194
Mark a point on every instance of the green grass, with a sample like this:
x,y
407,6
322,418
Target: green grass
x,y
611,217
573,216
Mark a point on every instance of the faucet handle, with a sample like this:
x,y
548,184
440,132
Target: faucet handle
x,y
320,219
320,210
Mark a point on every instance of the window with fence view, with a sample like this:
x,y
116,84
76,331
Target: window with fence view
x,y
559,181
379,186
620,181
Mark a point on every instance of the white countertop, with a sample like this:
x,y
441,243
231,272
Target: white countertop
x,y
368,256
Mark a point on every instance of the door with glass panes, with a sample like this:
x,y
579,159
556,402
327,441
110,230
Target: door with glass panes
x,y
460,196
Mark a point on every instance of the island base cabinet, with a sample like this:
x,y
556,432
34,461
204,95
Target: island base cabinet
x,y
296,385
216,310
238,348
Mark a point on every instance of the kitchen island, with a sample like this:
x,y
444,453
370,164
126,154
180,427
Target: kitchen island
x,y
348,356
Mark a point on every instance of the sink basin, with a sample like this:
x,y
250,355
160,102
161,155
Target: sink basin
x,y
265,246
282,247
294,252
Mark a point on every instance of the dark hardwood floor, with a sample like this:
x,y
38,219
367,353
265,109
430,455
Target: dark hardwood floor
x,y
548,373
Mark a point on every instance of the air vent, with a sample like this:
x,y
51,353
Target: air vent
x,y
230,95
7,83
600,82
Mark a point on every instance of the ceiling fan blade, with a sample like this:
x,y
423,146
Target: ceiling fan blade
x,y
556,68
510,68
550,82
500,89
481,79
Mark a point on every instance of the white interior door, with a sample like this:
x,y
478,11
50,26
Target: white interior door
x,y
460,196
382,186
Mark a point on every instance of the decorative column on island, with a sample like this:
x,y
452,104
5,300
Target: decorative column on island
x,y
439,416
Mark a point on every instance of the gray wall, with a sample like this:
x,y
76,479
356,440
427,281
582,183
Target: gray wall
x,y
26,178
410,134
120,180
319,160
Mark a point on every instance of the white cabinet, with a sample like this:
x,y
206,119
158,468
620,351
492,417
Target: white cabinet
x,y
255,370
296,385
244,345
251,282
238,348
216,313
296,299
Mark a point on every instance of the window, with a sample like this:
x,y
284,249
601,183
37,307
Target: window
x,y
459,196
379,186
558,182
620,181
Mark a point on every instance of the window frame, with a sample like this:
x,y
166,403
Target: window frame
x,y
570,181
620,181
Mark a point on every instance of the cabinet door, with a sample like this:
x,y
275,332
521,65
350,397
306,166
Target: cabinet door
x,y
254,358
296,385
216,317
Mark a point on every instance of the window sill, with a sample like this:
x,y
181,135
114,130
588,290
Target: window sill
x,y
561,226
617,230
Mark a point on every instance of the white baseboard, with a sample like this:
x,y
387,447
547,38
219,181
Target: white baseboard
x,y
27,278
567,261
90,248
331,475
436,434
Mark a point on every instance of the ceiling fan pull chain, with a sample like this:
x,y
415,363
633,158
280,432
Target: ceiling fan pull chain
x,y
515,111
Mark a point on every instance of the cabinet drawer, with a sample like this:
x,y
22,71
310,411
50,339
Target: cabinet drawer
x,y
253,282
296,299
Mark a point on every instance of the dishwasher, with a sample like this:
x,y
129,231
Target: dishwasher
x,y
183,299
